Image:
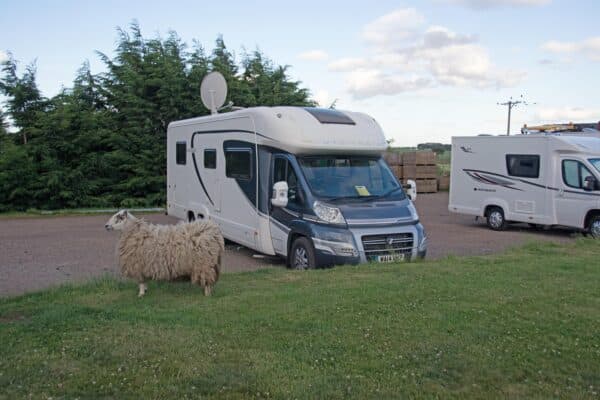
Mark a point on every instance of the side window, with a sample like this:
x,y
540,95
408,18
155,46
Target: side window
x,y
279,170
210,158
574,173
523,165
180,153
283,171
293,187
238,164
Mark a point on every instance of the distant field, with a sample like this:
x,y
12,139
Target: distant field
x,y
522,325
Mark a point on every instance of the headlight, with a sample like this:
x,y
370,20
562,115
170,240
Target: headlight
x,y
333,215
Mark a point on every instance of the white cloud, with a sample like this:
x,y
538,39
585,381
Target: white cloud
x,y
3,56
486,4
467,65
568,114
397,25
589,47
434,56
313,55
365,83
438,36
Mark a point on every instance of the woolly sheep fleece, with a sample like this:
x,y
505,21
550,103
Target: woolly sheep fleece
x,y
167,252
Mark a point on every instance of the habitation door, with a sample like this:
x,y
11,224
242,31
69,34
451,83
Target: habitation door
x,y
238,218
210,170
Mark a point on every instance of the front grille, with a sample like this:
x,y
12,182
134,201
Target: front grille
x,y
394,243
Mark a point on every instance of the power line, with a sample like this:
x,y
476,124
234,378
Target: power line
x,y
510,104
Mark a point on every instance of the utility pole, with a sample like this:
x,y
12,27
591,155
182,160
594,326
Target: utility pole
x,y
510,104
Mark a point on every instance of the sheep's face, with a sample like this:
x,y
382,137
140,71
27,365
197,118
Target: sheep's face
x,y
118,221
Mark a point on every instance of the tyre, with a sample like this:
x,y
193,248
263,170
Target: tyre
x,y
594,227
191,217
495,219
302,254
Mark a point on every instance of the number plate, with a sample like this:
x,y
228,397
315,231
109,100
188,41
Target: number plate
x,y
390,258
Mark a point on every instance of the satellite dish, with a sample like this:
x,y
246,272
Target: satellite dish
x,y
213,91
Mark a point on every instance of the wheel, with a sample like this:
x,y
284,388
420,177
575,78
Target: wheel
x,y
302,255
191,217
495,219
594,227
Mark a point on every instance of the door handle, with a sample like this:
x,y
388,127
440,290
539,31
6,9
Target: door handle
x,y
561,192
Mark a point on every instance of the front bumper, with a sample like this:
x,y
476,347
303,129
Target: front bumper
x,y
352,250
412,254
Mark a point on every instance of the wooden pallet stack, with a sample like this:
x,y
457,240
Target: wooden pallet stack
x,y
419,166
444,182
394,160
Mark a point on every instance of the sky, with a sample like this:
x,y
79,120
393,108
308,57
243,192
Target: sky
x,y
425,70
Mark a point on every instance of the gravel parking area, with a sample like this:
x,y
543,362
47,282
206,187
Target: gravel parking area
x,y
36,253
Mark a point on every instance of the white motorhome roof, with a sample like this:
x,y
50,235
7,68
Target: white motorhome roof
x,y
570,143
585,144
303,130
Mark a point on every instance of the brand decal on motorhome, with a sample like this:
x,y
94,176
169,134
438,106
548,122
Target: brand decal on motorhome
x,y
491,179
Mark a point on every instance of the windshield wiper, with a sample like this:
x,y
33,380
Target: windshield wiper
x,y
370,196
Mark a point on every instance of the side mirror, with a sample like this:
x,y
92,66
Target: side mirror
x,y
411,189
280,194
589,183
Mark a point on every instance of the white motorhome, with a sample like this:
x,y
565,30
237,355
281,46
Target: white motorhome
x,y
335,199
539,179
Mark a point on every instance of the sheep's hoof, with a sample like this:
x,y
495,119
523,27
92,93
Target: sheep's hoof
x,y
142,291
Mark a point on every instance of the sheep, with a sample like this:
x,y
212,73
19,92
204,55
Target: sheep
x,y
167,252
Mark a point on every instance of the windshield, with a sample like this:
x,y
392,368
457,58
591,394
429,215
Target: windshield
x,y
595,162
337,177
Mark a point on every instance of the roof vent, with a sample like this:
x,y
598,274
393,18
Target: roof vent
x,y
329,116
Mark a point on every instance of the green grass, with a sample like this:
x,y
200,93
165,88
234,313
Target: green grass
x,y
521,325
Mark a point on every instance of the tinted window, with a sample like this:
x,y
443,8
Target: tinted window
x,y
279,169
293,187
574,173
283,171
238,164
210,158
180,153
523,165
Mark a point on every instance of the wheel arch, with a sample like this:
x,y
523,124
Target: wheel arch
x,y
489,207
298,229
588,217
494,202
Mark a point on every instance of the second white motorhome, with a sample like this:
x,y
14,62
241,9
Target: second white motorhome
x,y
538,179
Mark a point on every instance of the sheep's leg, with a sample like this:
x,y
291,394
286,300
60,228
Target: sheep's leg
x,y
143,287
199,279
